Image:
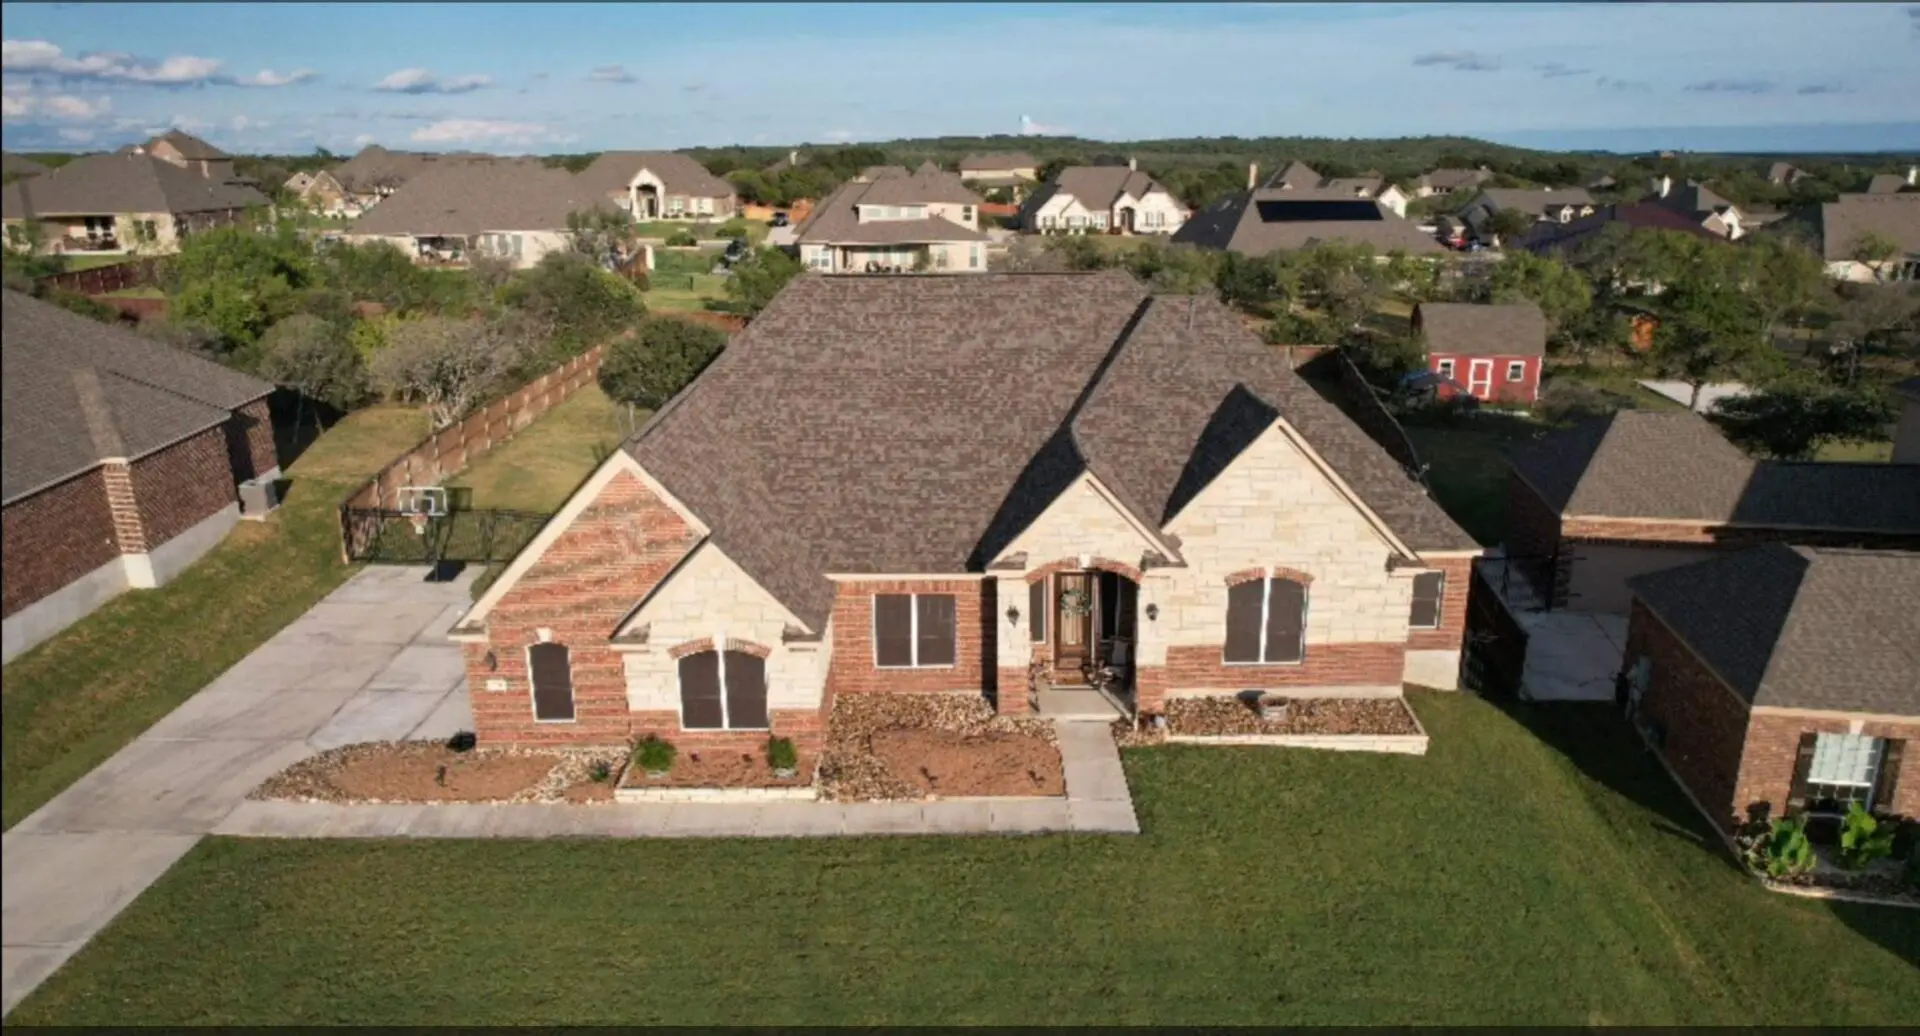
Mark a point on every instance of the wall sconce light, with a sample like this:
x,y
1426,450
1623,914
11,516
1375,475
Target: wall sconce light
x,y
492,661
1013,615
1153,613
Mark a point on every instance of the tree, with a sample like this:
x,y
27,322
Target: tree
x,y
446,364
311,356
239,282
1558,289
1782,277
1172,269
652,365
1707,332
1506,223
1877,252
1414,279
758,278
571,306
1877,318
1243,282
608,239
1791,422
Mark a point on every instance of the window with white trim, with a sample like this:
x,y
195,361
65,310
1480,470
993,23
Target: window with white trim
x,y
973,257
913,631
1845,768
1266,622
1516,370
1445,367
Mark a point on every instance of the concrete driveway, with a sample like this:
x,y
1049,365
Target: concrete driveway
x,y
1571,656
369,663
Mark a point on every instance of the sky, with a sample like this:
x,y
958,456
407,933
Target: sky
x,y
554,77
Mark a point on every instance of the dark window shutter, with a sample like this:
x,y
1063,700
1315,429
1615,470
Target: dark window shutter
x,y
1427,589
1802,765
936,629
700,691
1886,784
1243,621
1286,621
746,691
552,677
893,629
1037,609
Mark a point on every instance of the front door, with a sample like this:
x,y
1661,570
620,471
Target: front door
x,y
1073,626
1480,379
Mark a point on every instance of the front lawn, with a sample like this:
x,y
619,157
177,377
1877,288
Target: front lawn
x,y
1494,880
700,292
541,465
79,697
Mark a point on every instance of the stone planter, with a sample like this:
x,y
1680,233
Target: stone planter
x,y
1272,710
656,775
785,773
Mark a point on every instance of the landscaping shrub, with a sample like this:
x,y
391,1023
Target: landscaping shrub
x,y
781,754
654,755
682,239
735,227
1784,851
1864,838
313,357
85,305
661,358
571,306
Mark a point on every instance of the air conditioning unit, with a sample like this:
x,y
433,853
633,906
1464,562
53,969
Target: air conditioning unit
x,y
258,497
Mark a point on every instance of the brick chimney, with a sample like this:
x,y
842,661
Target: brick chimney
x,y
1253,175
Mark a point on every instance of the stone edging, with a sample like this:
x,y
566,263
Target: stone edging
x,y
1836,895
1402,744
804,793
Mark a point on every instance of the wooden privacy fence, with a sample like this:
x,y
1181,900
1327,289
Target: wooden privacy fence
x,y
1373,416
100,280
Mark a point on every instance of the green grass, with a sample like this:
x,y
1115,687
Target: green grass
x,y
1867,452
76,263
686,291
541,465
79,697
1492,881
145,292
1467,467
1620,384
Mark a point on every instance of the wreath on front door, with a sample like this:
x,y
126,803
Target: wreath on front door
x,y
1075,603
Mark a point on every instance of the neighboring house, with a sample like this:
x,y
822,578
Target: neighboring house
x,y
15,167
1637,491
192,154
376,173
1294,176
1782,681
1494,350
1716,215
320,191
1603,182
120,203
121,461
792,161
1010,169
1302,180
1893,183
507,210
1552,205
1102,199
926,220
1906,434
1784,174
1550,238
1447,181
655,185
931,485
1844,225
1268,219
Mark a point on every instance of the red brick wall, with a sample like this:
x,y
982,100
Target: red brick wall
x,y
1453,608
124,507
1150,688
250,441
807,728
178,487
1773,742
1705,723
585,582
1195,666
852,670
54,537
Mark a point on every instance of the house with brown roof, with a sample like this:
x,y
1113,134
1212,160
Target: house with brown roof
x,y
120,203
1592,506
1268,219
376,173
1559,238
1546,204
1785,174
895,221
506,210
320,191
1845,226
16,167
120,466
1490,351
191,153
1893,183
1782,681
1102,199
660,185
1715,214
1447,181
1000,169
969,485
1906,433
1304,182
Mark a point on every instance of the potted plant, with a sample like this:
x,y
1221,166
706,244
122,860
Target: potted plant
x,y
655,757
1273,710
782,757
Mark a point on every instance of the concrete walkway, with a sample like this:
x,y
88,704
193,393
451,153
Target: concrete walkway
x,y
1097,801
1571,656
371,662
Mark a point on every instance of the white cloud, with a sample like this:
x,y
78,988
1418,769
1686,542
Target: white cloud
x,y
460,131
41,57
17,102
268,77
363,140
422,81
611,74
76,135
248,124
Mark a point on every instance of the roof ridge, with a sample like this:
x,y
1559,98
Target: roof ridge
x,y
101,428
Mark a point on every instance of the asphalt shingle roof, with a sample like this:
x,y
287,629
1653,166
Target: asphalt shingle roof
x,y
1477,329
1841,224
1886,183
916,423
17,165
836,221
109,184
1800,627
998,162
1270,219
189,146
680,174
77,391
480,197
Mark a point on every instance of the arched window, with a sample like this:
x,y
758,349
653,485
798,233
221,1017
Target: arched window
x,y
551,672
1266,621
723,690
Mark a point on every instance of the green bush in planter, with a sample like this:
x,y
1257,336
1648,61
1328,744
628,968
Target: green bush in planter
x,y
682,239
1785,851
1864,838
655,755
781,754
735,227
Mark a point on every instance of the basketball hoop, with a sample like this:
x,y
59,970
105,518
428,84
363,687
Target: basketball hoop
x,y
418,520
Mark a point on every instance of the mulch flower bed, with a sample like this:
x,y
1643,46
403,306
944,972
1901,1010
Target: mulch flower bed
x,y
713,768
427,771
1882,880
1224,715
916,746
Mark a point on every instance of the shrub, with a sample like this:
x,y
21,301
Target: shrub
x,y
735,227
655,755
578,304
85,305
1864,838
659,360
600,771
781,754
682,239
1784,850
311,356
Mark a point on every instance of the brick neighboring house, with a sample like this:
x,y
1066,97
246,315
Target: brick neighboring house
x,y
122,203
946,483
1447,181
1492,351
191,153
120,463
660,185
1783,680
1639,491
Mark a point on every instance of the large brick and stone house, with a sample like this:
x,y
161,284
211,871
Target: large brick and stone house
x,y
1592,506
959,484
120,464
1782,680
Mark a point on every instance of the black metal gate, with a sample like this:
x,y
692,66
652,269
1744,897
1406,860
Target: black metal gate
x,y
385,536
1496,650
